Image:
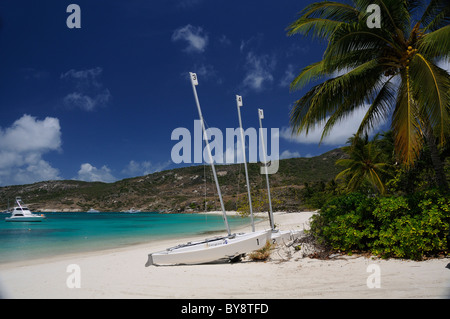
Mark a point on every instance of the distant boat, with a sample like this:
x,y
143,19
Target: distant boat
x,y
133,211
93,211
21,213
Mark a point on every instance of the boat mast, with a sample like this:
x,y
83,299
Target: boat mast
x,y
194,81
239,104
261,134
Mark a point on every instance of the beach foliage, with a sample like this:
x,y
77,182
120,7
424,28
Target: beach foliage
x,y
412,226
262,254
391,197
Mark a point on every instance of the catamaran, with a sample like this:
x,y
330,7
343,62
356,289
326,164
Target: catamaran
x,y
228,247
21,213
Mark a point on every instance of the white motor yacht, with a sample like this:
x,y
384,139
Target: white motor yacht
x,y
21,213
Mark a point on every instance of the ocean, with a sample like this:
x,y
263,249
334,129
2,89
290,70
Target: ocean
x,y
65,233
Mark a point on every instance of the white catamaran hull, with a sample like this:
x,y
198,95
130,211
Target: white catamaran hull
x,y
285,236
210,250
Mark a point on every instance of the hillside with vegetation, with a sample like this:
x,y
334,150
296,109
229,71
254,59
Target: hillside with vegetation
x,y
183,189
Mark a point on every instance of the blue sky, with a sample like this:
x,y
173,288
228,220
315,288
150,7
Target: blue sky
x,y
100,102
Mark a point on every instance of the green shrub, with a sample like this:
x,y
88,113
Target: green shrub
x,y
409,227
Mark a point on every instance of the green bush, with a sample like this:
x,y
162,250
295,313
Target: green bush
x,y
409,227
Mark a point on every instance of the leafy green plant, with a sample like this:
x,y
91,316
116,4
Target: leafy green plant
x,y
411,227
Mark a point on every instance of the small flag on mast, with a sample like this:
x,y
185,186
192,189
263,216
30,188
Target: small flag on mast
x,y
261,113
239,100
194,79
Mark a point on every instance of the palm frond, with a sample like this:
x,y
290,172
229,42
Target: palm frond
x,y
375,180
431,86
403,49
310,73
435,44
365,165
350,60
405,123
321,18
336,98
351,37
436,15
314,27
379,109
394,14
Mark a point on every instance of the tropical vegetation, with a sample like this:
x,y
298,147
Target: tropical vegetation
x,y
391,197
391,71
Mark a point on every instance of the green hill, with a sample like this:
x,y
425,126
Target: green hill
x,y
177,190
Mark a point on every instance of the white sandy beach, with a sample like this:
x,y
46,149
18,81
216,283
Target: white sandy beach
x,y
120,273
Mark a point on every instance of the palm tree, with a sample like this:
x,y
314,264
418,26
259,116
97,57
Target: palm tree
x,y
366,164
393,70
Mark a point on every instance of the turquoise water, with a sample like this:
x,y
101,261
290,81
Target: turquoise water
x,y
65,233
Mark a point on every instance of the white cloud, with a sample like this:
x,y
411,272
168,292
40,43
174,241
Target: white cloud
x,y
89,173
89,93
444,64
252,43
22,146
259,70
288,76
338,135
289,154
36,171
143,168
234,153
195,37
85,102
88,77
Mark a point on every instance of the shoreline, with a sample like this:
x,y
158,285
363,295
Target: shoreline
x,y
159,242
120,273
31,257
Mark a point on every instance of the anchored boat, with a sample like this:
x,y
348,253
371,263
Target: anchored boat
x,y
21,213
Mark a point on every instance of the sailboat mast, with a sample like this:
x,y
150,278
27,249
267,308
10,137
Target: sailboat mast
x,y
239,104
261,134
194,81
